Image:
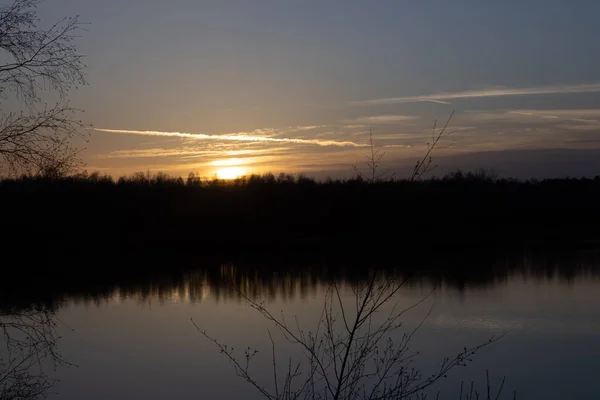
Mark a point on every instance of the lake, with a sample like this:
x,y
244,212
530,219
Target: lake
x,y
136,340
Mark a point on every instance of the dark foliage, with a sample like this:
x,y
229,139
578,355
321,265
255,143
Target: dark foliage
x,y
79,214
83,235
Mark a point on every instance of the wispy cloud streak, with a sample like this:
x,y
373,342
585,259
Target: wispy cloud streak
x,y
189,152
438,101
495,92
383,119
236,137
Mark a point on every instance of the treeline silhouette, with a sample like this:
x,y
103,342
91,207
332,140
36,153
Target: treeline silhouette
x,y
267,213
91,231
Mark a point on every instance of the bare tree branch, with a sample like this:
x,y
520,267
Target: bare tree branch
x,y
29,339
38,139
425,164
361,358
373,163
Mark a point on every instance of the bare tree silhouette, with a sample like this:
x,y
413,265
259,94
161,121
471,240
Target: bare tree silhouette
x,y
373,163
29,346
37,137
423,166
355,351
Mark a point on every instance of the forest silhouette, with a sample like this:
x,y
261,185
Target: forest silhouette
x,y
267,213
85,234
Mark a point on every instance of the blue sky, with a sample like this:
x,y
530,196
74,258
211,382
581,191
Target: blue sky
x,y
522,76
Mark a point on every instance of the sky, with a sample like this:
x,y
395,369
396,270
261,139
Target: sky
x,y
235,87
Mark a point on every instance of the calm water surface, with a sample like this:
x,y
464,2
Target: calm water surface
x,y
140,343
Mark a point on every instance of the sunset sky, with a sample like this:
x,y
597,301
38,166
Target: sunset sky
x,y
235,87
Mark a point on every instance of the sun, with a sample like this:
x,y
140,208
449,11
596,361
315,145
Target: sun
x,y
231,172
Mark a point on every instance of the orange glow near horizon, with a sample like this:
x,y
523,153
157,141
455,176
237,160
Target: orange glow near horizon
x,y
228,162
231,172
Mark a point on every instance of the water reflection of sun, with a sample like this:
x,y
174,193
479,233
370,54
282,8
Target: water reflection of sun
x,y
231,172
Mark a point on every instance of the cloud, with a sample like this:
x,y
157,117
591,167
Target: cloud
x,y
492,92
159,152
240,137
438,101
246,161
561,119
355,126
263,132
534,116
290,163
382,119
582,115
190,152
586,127
306,128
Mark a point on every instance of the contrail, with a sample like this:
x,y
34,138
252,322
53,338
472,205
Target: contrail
x,y
238,138
437,101
497,92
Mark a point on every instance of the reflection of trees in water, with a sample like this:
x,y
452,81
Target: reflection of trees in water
x,y
291,279
28,348
29,336
488,270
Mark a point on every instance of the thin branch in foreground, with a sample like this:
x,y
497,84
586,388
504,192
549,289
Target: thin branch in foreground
x,y
425,164
351,354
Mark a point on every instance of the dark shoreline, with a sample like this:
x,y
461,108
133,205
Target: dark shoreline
x,y
92,232
92,212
